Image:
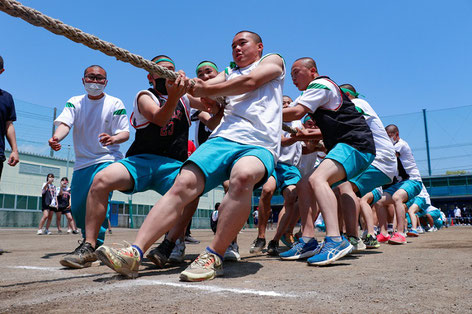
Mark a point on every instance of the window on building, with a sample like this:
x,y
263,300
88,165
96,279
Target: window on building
x,y
32,202
9,201
21,201
27,168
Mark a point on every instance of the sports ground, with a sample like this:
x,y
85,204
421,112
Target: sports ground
x,y
432,273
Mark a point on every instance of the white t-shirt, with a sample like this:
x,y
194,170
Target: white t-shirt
x,y
407,159
457,212
254,118
424,194
90,118
314,98
308,162
140,121
385,158
291,154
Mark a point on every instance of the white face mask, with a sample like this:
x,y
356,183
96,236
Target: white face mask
x,y
393,141
94,89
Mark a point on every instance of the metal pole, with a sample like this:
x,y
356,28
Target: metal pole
x,y
427,141
53,129
68,158
130,207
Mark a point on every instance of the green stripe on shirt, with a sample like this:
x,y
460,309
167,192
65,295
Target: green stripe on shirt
x,y
317,86
119,112
362,112
70,105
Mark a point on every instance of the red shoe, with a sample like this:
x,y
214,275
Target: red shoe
x,y
397,238
382,239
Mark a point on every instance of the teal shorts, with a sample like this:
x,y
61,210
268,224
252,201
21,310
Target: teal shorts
x,y
420,201
370,179
436,214
377,196
353,161
286,175
151,172
217,156
411,187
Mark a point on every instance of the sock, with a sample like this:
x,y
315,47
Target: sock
x,y
213,252
139,250
336,238
306,239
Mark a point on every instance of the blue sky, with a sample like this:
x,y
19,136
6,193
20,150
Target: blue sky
x,y
403,56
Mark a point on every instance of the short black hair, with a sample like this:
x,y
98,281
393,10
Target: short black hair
x,y
308,62
1,63
254,36
349,86
217,205
391,128
94,66
50,175
65,178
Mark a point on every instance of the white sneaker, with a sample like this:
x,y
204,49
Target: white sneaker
x,y
69,230
47,232
40,232
178,253
232,253
433,229
420,230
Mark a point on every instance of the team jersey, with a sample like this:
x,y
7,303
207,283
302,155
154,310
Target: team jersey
x,y
170,140
385,158
291,154
202,132
336,116
255,117
89,118
405,156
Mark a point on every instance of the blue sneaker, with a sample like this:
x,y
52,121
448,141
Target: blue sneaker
x,y
300,250
330,251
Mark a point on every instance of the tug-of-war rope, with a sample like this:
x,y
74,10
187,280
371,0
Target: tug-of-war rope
x,y
36,18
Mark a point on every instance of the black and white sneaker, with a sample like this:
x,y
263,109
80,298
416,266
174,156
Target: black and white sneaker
x,y
82,257
273,248
160,254
257,246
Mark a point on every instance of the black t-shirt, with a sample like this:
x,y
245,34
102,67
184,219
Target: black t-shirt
x,y
63,198
7,113
344,125
169,141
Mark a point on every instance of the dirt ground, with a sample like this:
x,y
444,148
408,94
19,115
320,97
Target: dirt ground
x,y
432,273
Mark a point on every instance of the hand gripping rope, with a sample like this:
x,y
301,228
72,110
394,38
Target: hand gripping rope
x,y
34,17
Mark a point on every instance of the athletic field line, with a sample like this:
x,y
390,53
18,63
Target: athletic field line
x,y
146,282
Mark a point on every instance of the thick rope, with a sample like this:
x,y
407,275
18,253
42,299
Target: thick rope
x,y
32,16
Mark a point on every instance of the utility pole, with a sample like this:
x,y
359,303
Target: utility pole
x,y
427,141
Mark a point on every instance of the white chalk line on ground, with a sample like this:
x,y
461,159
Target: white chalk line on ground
x,y
130,283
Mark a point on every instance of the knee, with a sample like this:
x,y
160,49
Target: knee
x,y
267,193
290,195
183,184
100,184
242,182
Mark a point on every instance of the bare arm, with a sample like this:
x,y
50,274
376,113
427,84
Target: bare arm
x,y
160,116
61,132
294,113
211,121
11,138
269,68
308,134
118,138
287,141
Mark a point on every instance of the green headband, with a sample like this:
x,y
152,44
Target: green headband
x,y
204,64
346,90
307,117
164,59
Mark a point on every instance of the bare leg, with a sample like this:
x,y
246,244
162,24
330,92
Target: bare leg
x,y
113,177
188,185
48,223
285,216
58,221
268,190
350,207
366,212
400,197
236,205
327,173
44,218
178,230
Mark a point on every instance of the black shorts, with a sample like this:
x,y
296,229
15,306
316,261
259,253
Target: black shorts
x,y
65,210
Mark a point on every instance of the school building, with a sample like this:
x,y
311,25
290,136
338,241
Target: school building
x,y
20,195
